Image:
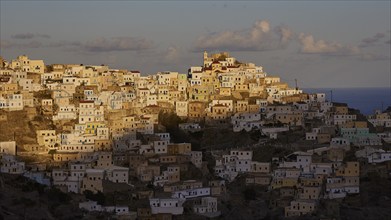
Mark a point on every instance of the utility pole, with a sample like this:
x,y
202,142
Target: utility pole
x,y
296,84
331,92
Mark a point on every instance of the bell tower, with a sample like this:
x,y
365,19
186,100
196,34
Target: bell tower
x,y
205,58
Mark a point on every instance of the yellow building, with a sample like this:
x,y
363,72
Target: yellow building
x,y
219,112
260,179
341,109
348,169
225,91
24,64
100,145
283,182
91,127
63,157
242,106
354,124
136,160
241,88
298,208
178,148
310,182
93,181
200,93
47,138
146,173
290,118
253,108
105,160
196,110
9,88
309,192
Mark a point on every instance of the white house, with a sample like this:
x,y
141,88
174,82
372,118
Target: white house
x,y
166,205
160,147
191,193
379,157
15,102
196,158
207,207
117,174
10,165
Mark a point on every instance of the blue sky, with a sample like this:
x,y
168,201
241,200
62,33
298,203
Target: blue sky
x,y
320,43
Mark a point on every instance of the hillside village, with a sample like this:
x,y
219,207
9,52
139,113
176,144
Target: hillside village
x,y
223,136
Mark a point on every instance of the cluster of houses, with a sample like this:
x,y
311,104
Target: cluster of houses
x,y
107,132
298,181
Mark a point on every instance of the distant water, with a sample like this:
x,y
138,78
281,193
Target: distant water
x,y
364,99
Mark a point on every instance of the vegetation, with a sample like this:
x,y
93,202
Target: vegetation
x,y
192,173
57,197
49,68
170,121
98,197
43,94
237,62
249,193
222,57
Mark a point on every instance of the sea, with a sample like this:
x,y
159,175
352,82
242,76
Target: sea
x,y
367,100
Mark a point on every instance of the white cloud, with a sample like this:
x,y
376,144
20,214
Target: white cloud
x,y
65,44
370,41
24,36
285,34
117,44
168,57
309,45
171,55
102,44
5,44
259,37
373,57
